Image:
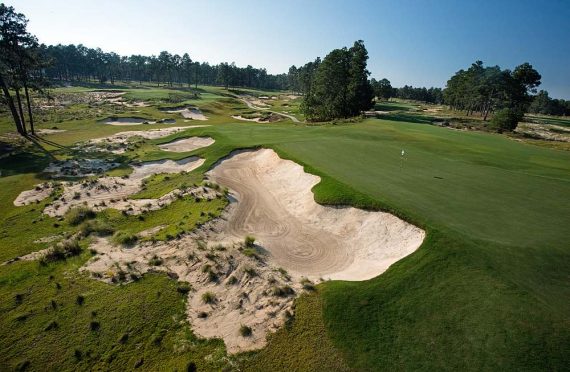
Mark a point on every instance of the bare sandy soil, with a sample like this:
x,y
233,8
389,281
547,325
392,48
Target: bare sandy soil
x,y
127,121
187,144
545,131
189,113
245,290
117,143
50,131
113,192
79,168
276,205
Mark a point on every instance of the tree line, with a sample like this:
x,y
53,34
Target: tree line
x,y
80,63
543,104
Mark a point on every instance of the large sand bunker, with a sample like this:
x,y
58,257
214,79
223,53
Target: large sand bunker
x,y
276,205
187,144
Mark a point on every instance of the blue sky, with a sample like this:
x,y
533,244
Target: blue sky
x,y
421,43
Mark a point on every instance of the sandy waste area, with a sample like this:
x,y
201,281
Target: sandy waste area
x,y
298,243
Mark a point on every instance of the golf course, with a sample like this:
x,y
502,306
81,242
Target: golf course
x,y
171,221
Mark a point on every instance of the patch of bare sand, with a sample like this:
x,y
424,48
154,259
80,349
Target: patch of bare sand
x,y
243,289
188,113
37,194
187,144
127,121
50,131
113,192
276,205
118,142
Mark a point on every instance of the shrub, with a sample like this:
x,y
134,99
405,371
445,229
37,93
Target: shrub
x,y
77,215
245,331
51,325
155,261
212,276
208,298
506,120
250,252
124,238
250,271
232,280
184,288
202,314
282,291
67,248
80,300
307,284
94,325
249,241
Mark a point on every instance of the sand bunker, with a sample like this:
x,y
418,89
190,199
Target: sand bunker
x,y
118,142
187,144
127,121
276,205
188,113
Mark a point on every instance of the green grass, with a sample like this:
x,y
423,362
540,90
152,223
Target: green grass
x,y
115,327
488,289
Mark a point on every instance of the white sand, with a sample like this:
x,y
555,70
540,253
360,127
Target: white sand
x,y
276,205
127,121
189,113
117,143
113,192
38,193
50,131
187,144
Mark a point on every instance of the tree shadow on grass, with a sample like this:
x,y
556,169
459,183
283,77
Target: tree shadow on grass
x,y
409,118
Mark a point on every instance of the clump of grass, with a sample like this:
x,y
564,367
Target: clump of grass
x,y
206,268
245,331
79,214
250,271
67,248
307,284
80,300
212,276
94,325
95,227
155,261
183,288
51,325
250,252
211,256
232,280
249,241
283,291
124,238
208,298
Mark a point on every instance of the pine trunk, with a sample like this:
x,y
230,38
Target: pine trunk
x,y
12,107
